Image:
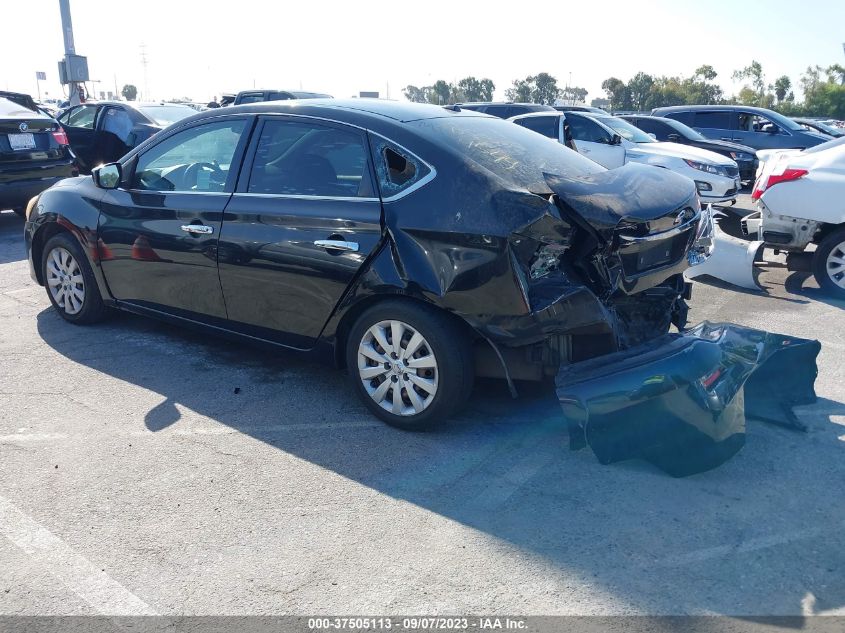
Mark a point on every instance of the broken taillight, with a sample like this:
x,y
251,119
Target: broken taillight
x,y
788,174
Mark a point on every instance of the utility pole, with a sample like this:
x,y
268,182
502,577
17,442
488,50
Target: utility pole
x,y
73,69
144,64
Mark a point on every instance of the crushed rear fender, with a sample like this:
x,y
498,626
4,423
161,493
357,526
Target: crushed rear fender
x,y
681,401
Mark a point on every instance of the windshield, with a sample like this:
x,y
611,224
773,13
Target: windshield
x,y
515,154
625,129
165,115
833,131
684,130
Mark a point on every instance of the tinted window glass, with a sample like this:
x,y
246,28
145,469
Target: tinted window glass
x,y
718,120
196,159
252,98
295,158
545,125
501,111
683,117
583,129
396,168
518,156
82,117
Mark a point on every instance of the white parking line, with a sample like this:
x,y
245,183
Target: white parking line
x,y
77,573
750,545
31,437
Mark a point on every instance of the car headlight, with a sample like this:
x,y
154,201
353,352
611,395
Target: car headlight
x,y
705,238
708,168
741,156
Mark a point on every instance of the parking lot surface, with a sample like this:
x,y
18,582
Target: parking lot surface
x,y
149,469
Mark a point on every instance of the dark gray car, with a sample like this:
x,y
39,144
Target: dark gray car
x,y
756,127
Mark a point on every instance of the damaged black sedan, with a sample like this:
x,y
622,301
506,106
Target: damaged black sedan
x,y
417,247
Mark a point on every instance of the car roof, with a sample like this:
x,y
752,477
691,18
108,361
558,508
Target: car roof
x,y
730,107
401,111
534,115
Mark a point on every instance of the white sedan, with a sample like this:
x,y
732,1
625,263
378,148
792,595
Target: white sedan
x,y
800,199
612,142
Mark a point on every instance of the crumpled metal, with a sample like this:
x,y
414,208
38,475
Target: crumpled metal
x,y
681,401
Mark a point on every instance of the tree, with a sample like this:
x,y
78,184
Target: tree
x,y
414,94
754,73
705,72
617,92
440,93
782,88
574,94
545,89
129,92
640,88
520,91
471,89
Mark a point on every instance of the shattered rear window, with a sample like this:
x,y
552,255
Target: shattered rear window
x,y
515,154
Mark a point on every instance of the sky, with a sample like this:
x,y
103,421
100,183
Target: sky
x,y
202,49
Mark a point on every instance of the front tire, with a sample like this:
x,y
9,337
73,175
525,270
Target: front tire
x,y
829,264
410,363
70,283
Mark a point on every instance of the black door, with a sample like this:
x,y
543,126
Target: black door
x,y
304,218
78,124
158,235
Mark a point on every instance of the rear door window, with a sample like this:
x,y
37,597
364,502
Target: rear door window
x,y
310,159
714,119
545,125
684,116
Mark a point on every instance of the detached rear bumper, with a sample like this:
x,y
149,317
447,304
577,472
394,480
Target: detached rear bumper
x,y
681,401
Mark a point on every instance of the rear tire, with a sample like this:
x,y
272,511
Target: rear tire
x,y
422,381
70,282
829,264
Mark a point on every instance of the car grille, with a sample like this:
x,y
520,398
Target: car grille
x,y
731,192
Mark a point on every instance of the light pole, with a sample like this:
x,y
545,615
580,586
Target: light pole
x,y
73,69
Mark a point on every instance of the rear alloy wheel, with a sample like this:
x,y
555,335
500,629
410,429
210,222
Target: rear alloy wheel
x,y
410,364
829,264
70,281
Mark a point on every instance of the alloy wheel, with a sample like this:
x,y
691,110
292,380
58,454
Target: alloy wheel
x,y
398,368
835,265
65,281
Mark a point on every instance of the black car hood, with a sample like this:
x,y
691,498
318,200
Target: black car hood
x,y
722,146
635,193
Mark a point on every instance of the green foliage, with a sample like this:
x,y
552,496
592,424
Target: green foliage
x,y
444,93
823,88
129,92
541,88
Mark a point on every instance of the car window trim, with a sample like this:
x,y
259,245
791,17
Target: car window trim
x,y
242,184
237,157
431,175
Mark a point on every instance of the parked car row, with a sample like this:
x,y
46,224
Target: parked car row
x,y
613,142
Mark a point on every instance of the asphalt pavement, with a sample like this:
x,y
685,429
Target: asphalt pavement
x,y
145,468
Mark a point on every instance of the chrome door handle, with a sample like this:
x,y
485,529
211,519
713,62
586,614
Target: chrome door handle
x,y
337,245
200,229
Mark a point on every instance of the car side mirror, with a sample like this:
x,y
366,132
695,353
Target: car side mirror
x,y
107,176
616,140
674,138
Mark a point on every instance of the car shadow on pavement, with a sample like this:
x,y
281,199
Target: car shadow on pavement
x,y
767,525
795,284
12,248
